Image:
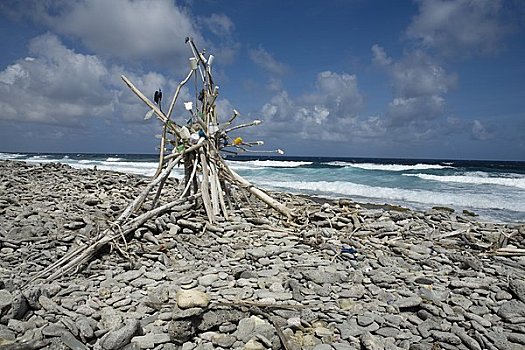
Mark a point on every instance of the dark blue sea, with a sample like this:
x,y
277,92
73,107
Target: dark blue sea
x,y
495,190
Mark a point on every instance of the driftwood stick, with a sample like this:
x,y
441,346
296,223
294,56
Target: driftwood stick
x,y
159,190
255,122
510,252
136,202
87,251
139,220
144,99
161,150
168,116
219,192
205,188
282,337
177,91
260,194
187,150
214,189
190,179
452,234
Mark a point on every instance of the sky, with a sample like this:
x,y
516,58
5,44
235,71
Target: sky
x,y
439,79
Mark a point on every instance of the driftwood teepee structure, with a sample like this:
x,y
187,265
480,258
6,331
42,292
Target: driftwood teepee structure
x,y
197,145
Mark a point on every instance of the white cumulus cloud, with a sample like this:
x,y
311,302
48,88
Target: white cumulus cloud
x,y
265,60
459,27
330,112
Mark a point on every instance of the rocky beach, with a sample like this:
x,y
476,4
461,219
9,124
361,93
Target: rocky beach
x,y
344,276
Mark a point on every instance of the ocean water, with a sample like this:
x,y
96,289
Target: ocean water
x,y
495,190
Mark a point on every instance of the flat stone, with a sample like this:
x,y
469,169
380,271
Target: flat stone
x,y
53,330
192,298
253,344
85,310
179,313
257,253
354,292
350,328
323,332
117,339
364,321
371,342
322,275
223,340
445,337
264,294
214,318
85,328
512,309
410,302
517,287
150,340
387,332
207,280
6,298
155,275
129,275
323,347
72,342
254,325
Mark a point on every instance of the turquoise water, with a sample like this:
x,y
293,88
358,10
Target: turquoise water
x,y
494,190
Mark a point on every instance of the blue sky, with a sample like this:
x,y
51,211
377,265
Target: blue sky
x,y
402,79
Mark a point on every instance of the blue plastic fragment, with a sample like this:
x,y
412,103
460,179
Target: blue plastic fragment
x,y
348,250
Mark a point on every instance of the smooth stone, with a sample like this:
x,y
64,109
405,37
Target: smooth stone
x,y
6,298
129,275
445,337
387,332
207,280
323,275
53,330
85,310
409,302
517,287
19,306
364,321
192,298
354,292
323,332
150,340
72,342
264,294
179,313
117,339
223,340
155,275
511,309
84,327
254,325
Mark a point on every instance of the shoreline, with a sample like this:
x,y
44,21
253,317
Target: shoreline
x,y
345,278
425,189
